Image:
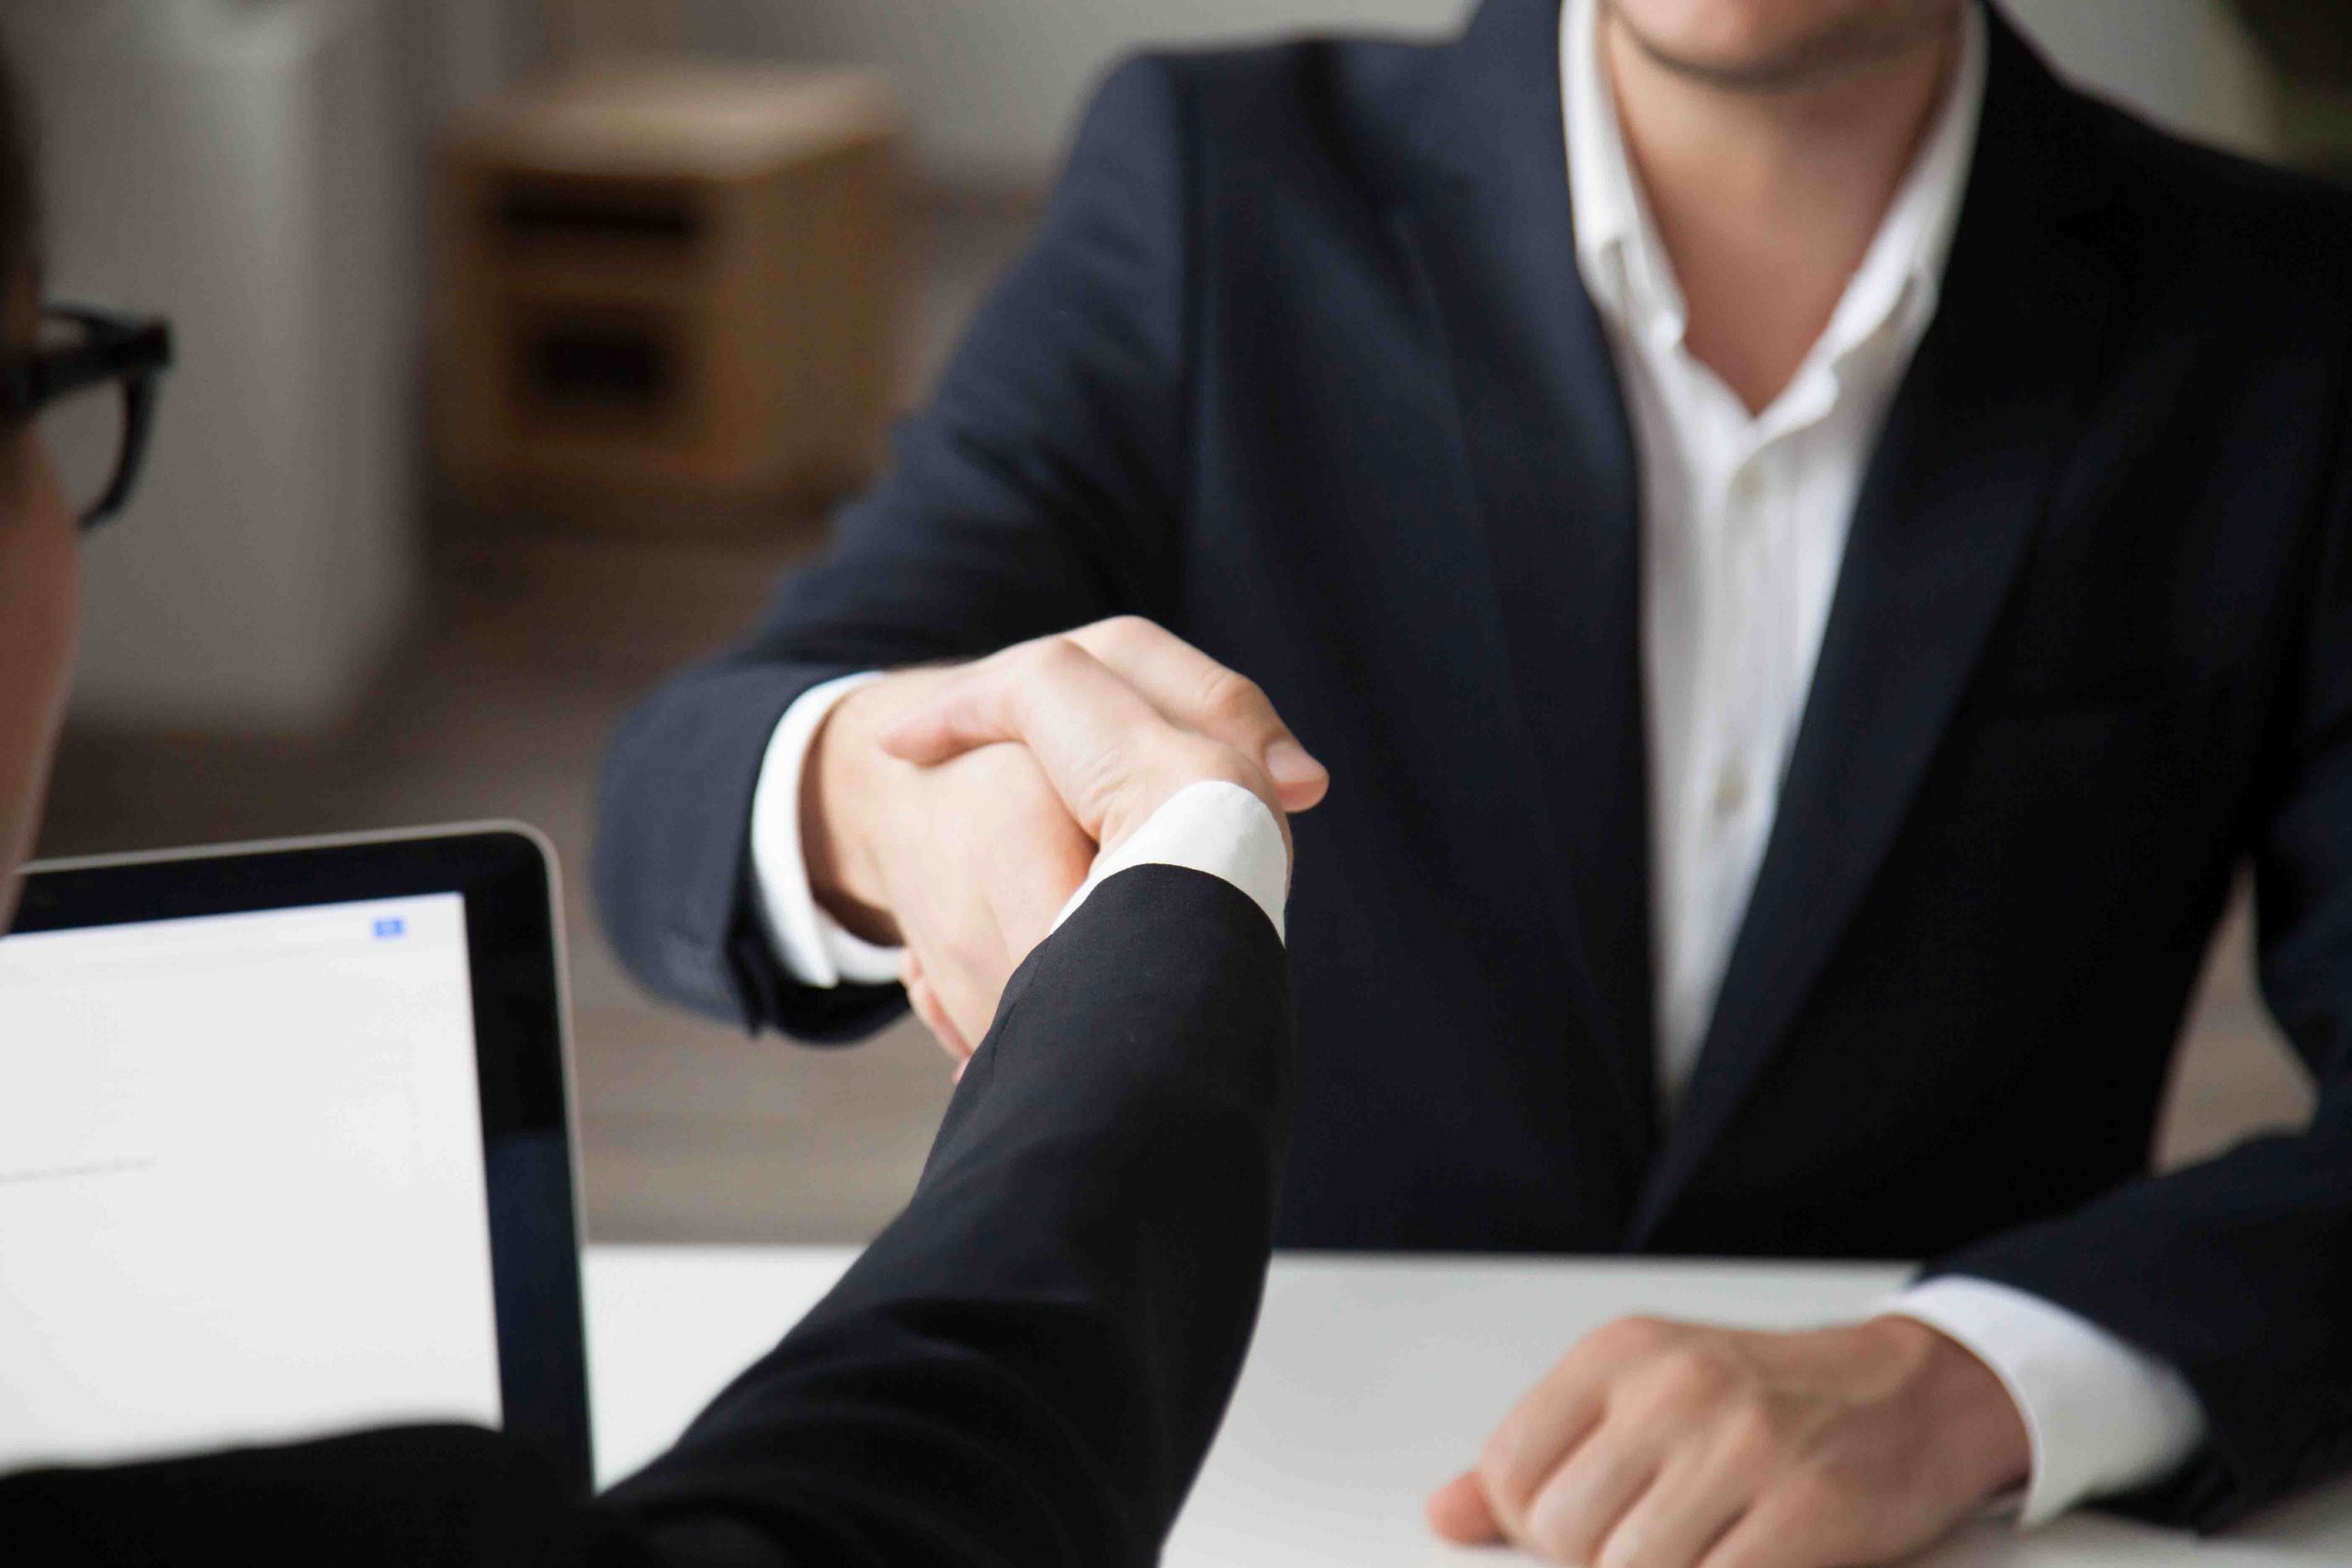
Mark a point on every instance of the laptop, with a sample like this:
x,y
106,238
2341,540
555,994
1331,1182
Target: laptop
x,y
285,1149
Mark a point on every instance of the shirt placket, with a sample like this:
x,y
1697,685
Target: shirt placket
x,y
1741,686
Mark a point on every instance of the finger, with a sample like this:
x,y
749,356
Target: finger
x,y
933,1013
1582,1502
1197,693
1031,865
1004,859
924,999
965,999
1459,1513
1684,1513
1050,695
1539,1434
1791,1527
1088,728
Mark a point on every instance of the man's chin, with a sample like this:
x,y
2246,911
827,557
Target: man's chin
x,y
1838,47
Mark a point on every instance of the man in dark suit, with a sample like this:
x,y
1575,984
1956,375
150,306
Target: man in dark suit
x,y
1810,552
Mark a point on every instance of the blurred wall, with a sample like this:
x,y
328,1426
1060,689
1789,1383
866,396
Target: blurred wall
x,y
2188,63
249,169
991,84
466,50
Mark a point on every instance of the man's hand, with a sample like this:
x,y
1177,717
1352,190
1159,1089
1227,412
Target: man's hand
x,y
1666,1445
966,856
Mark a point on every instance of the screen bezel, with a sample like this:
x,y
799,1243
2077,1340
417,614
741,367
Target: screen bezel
x,y
505,873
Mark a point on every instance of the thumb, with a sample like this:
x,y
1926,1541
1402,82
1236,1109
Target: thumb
x,y
1088,729
1458,1512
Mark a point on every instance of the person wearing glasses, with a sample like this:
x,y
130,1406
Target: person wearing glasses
x,y
90,386
81,381
1027,1367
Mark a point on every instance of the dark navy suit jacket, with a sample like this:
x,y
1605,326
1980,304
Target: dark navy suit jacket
x,y
1300,366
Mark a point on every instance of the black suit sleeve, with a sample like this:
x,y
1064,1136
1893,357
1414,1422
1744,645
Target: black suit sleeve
x,y
416,1494
1027,1367
2238,1271
1037,492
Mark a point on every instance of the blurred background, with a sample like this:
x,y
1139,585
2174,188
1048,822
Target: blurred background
x,y
524,343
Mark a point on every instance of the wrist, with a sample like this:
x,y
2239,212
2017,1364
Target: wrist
x,y
1979,1430
839,781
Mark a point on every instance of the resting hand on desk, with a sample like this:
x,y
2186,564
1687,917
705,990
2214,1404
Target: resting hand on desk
x,y
923,831
1666,1445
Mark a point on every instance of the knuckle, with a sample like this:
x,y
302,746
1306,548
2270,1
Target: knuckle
x,y
1561,1518
1511,1481
1626,1548
1690,1375
1229,694
1813,1494
1498,1465
1053,657
1554,1533
1631,1336
1124,630
1556,1543
1751,1439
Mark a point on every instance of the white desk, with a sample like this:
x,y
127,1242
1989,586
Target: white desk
x,y
1372,1381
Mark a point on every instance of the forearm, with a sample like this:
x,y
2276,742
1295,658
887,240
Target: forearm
x,y
1029,1364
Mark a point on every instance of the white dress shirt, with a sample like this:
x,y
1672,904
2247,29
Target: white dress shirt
x,y
1743,523
1744,517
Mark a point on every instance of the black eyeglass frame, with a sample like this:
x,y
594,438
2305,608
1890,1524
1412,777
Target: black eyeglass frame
x,y
133,350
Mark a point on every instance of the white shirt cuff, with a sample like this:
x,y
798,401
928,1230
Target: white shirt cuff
x,y
814,948
2102,1417
1213,826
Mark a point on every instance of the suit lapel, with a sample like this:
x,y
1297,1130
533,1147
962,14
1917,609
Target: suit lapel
x,y
1487,227
1952,495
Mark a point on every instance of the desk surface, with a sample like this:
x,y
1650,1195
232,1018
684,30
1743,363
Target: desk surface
x,y
1371,1379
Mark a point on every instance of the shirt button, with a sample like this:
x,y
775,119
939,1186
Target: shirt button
x,y
1731,789
1747,484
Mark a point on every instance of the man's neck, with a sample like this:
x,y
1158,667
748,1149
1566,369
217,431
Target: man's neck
x,y
1767,200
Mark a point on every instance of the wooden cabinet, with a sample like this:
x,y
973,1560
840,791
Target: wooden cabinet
x,y
671,281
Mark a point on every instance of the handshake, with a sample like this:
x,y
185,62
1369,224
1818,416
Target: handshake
x,y
954,811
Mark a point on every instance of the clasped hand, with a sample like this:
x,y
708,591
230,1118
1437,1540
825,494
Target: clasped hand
x,y
932,819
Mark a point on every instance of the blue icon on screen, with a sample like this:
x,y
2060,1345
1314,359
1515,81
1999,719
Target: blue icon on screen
x,y
391,926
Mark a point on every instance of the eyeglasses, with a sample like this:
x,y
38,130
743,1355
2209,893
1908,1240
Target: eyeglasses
x,y
91,381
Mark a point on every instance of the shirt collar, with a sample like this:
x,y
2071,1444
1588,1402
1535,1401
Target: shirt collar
x,y
1623,263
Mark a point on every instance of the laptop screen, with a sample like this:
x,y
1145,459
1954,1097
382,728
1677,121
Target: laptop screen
x,y
242,1194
